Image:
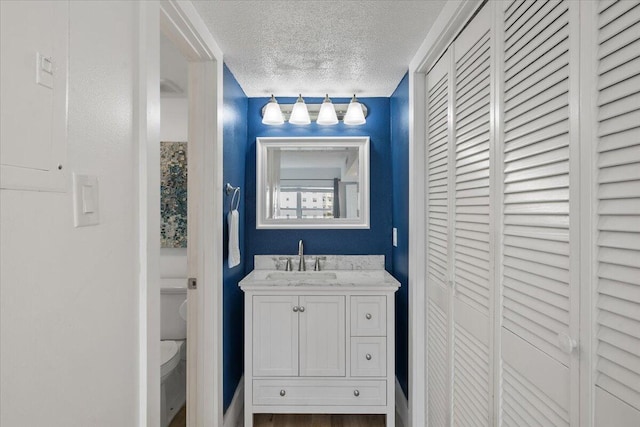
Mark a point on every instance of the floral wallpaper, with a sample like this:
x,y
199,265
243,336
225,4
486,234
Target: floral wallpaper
x,y
173,194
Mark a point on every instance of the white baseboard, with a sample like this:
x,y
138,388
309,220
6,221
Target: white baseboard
x,y
402,406
234,415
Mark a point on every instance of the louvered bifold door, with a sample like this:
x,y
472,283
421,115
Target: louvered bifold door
x,y
617,358
472,269
438,268
539,284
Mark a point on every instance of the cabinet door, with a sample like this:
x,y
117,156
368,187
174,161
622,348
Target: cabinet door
x,y
275,335
617,355
322,336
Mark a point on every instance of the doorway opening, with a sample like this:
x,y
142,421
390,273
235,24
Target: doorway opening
x,y
180,24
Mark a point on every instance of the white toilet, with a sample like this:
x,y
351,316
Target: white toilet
x,y
173,333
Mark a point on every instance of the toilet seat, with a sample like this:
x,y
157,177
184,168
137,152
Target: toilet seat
x,y
169,357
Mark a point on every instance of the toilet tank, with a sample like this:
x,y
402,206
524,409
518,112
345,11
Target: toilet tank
x,y
173,292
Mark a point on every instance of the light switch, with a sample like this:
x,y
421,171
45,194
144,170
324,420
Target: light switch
x,y
44,70
88,199
395,237
85,200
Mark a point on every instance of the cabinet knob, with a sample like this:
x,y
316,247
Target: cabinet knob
x,y
368,316
368,356
295,308
301,309
282,392
356,393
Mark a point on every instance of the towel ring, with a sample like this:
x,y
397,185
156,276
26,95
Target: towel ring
x,y
235,199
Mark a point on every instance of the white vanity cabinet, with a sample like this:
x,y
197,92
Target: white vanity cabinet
x,y
298,335
318,345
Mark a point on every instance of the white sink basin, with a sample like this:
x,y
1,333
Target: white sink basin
x,y
301,275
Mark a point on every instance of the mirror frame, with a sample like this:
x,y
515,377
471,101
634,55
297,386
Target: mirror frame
x,y
264,143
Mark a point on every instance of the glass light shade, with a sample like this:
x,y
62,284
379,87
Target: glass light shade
x,y
272,113
327,114
299,114
355,115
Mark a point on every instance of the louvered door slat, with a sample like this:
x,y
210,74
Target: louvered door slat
x,y
548,36
537,18
626,16
623,38
514,9
523,70
610,11
618,193
515,13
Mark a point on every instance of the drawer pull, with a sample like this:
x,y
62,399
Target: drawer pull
x,y
356,393
368,356
368,316
295,308
282,392
301,309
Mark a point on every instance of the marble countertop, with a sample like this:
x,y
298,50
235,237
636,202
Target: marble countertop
x,y
357,272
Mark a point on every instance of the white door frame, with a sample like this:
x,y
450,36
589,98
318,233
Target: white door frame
x,y
183,25
449,23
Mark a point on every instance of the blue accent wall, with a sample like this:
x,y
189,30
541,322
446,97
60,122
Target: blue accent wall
x,y
376,240
234,162
400,254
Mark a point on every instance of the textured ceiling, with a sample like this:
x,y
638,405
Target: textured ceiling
x,y
318,47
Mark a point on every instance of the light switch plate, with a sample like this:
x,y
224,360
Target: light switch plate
x,y
44,70
86,205
395,237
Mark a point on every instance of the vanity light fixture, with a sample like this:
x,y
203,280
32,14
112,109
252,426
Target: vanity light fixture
x,y
327,114
355,115
300,114
272,113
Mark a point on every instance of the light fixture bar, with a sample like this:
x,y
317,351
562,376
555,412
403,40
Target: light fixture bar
x,y
314,109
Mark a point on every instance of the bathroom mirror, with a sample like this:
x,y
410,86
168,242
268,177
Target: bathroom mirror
x,y
312,182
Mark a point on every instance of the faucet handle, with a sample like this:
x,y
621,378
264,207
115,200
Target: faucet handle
x,y
316,266
288,266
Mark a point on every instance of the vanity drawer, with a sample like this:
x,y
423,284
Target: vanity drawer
x,y
320,392
368,356
369,316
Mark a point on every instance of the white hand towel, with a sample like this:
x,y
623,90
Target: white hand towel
x,y
233,220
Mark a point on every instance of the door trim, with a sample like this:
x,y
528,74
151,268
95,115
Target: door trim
x,y
183,25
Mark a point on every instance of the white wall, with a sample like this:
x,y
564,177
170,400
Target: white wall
x,y
174,126
68,296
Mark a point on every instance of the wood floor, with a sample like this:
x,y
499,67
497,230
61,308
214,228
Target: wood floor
x,y
180,420
317,420
300,420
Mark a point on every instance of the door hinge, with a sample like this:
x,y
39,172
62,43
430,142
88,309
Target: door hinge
x,y
192,283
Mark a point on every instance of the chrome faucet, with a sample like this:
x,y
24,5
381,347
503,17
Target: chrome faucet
x,y
301,265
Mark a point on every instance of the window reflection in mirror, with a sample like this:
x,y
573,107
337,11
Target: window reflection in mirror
x,y
313,183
